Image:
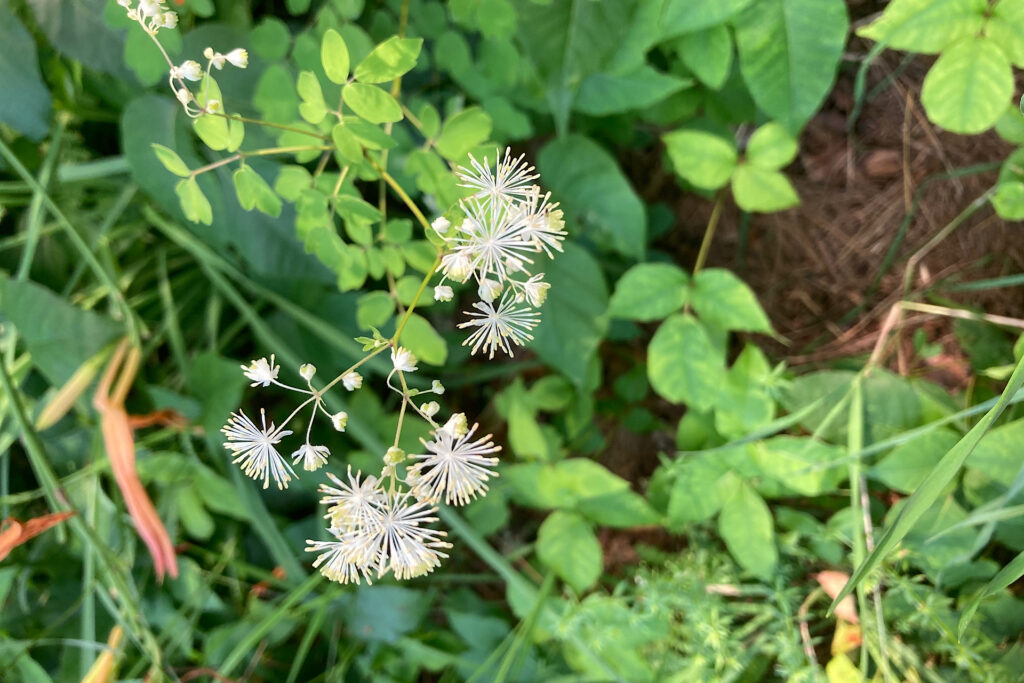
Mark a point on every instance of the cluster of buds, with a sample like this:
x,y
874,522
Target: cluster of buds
x,y
152,16
507,223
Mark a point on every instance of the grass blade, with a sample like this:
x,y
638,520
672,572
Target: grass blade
x,y
1003,579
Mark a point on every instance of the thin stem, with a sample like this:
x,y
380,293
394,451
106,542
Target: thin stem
x,y
406,199
257,153
415,300
269,124
35,209
709,233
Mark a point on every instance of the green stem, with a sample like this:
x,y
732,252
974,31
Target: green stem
x,y
415,301
709,234
35,209
268,124
406,199
258,153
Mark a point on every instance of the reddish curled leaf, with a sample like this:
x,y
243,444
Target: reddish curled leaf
x,y
165,418
13,533
120,445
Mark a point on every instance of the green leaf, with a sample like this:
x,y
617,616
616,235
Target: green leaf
x,y
686,16
462,133
619,509
789,52
746,526
347,143
146,59
643,86
1004,28
423,340
703,159
771,147
757,189
801,464
698,489
907,465
25,105
59,336
254,192
373,309
171,161
1000,582
389,60
1010,125
708,54
998,454
371,136
722,298
334,56
683,364
567,546
197,521
371,103
270,39
592,189
573,317
1008,200
926,26
194,203
649,291
313,107
933,486
968,87
213,131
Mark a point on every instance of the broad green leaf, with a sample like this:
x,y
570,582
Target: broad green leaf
x,y
619,509
1004,28
907,465
334,57
254,192
933,485
347,143
649,291
313,107
389,60
1008,200
567,545
59,336
194,203
213,131
968,87
789,52
926,26
25,105
171,161
371,136
683,364
722,298
687,16
385,613
146,59
462,133
698,489
593,191
708,54
423,340
371,103
703,159
801,464
771,147
194,518
276,98
573,318
758,189
270,39
1010,125
998,455
643,86
746,526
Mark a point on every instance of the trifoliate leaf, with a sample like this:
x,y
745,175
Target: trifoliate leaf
x,y
703,159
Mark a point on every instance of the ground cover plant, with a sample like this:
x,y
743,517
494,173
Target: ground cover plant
x,y
421,340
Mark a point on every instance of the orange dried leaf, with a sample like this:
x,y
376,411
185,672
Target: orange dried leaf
x,y
13,533
833,582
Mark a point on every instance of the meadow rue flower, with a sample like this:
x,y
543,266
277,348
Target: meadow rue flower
x,y
443,293
430,409
536,290
457,425
168,20
489,290
394,455
262,372
188,70
337,559
400,542
312,457
339,421
499,327
455,467
239,57
456,266
151,8
511,178
437,387
352,504
542,222
441,225
352,380
254,449
403,359
216,59
306,371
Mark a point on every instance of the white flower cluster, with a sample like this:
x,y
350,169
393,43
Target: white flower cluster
x,y
377,524
153,16
507,224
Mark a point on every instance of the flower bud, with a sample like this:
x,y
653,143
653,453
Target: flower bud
x,y
394,456
536,291
403,359
457,425
441,225
489,290
184,95
307,371
189,70
430,409
443,293
169,19
457,267
340,421
239,57
437,387
352,380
